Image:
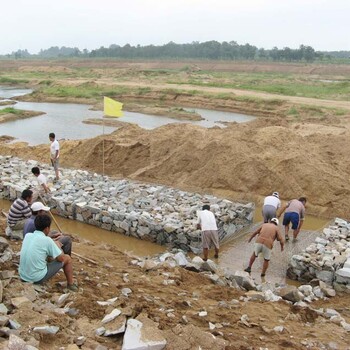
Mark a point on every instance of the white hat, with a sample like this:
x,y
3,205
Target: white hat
x,y
36,206
276,194
275,221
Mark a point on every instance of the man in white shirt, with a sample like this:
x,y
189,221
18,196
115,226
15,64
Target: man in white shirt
x,y
271,204
42,188
54,153
207,223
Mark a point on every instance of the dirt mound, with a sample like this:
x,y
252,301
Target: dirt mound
x,y
242,161
45,69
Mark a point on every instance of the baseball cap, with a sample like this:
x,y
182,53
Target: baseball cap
x,y
276,194
275,221
36,206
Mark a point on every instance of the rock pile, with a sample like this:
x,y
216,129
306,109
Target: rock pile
x,y
239,279
159,214
5,251
327,259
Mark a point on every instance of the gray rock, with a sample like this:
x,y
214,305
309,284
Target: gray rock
x,y
111,316
3,244
14,324
3,309
126,291
80,340
244,280
290,293
209,265
100,331
46,329
4,320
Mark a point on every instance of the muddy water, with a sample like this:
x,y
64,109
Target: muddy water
x,y
98,235
65,119
236,253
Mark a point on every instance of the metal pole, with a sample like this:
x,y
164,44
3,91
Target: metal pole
x,y
103,146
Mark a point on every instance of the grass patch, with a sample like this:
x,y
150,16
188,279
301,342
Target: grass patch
x,y
293,111
7,80
144,90
11,110
86,90
275,83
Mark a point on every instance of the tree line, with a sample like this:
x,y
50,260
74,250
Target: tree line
x,y
212,50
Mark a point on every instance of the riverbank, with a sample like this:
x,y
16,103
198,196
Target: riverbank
x,y
186,308
10,114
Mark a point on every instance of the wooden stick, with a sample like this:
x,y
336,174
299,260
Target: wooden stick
x,y
59,229
85,258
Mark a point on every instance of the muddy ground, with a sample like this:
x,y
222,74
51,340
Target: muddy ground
x,y
187,296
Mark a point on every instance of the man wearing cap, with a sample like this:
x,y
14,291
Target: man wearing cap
x,y
271,204
267,234
38,208
37,249
294,214
207,223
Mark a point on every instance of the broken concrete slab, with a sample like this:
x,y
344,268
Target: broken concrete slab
x,y
143,336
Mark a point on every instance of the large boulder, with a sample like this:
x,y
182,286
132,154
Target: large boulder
x,y
290,293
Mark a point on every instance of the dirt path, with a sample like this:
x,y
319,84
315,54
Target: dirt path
x,y
218,90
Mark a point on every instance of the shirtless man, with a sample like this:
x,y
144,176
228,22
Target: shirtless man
x,y
267,234
294,214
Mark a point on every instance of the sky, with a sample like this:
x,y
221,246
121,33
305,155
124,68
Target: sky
x,y
37,24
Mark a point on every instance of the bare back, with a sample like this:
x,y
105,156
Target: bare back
x,y
268,234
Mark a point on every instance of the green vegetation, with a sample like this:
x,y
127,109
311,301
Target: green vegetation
x,y
7,80
11,110
275,83
212,50
86,90
144,90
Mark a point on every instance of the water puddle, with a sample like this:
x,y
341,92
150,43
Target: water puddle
x,y
236,253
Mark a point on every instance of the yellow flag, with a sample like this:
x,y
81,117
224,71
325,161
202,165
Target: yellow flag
x,y
112,108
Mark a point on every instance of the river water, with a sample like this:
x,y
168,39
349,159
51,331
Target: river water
x,y
65,120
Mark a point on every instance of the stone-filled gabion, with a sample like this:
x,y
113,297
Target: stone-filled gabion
x,y
156,213
327,259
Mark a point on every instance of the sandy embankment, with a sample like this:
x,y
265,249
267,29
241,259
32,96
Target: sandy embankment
x,y
242,161
22,115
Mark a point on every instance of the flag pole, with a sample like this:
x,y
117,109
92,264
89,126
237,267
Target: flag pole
x,y
103,145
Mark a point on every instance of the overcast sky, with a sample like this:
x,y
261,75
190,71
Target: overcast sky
x,y
36,24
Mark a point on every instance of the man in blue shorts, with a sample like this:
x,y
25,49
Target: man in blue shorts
x,y
294,214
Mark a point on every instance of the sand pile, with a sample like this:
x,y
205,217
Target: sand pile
x,y
243,161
